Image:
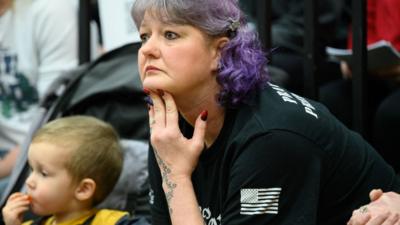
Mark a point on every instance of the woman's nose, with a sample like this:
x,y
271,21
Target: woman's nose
x,y
150,48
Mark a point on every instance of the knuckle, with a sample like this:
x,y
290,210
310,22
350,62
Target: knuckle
x,y
170,109
198,145
155,138
157,109
164,136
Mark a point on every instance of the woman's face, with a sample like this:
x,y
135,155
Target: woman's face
x,y
179,59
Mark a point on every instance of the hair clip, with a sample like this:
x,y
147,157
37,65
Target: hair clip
x,y
234,25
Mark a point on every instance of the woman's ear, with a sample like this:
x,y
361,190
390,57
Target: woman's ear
x,y
85,189
218,45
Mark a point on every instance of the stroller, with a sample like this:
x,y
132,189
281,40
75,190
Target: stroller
x,y
109,89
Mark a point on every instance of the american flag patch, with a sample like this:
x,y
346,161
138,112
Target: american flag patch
x,y
259,201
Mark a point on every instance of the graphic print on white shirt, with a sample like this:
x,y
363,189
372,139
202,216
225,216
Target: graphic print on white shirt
x,y
16,92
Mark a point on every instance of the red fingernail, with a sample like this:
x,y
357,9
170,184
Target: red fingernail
x,y
204,115
146,91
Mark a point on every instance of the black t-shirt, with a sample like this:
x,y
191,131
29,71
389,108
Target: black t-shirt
x,y
282,159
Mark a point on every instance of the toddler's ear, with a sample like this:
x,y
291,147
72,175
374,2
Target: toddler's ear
x,y
85,189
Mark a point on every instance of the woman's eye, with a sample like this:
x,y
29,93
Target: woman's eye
x,y
170,35
144,37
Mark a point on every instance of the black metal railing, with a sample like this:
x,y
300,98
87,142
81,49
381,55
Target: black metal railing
x,y
310,49
359,66
84,31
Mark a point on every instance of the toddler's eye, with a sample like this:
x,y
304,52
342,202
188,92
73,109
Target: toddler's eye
x,y
43,173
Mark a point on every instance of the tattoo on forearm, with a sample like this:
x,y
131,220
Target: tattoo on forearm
x,y
165,172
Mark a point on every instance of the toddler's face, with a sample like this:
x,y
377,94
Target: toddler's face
x,y
49,184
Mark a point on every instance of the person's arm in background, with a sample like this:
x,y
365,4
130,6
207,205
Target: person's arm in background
x,y
8,161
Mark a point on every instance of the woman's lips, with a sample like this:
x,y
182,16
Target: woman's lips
x,y
151,69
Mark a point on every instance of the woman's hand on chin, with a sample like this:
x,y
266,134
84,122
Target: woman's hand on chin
x,y
176,155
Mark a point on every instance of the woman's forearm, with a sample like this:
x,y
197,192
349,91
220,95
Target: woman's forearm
x,y
182,202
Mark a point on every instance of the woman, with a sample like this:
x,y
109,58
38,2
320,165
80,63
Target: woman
x,y
227,146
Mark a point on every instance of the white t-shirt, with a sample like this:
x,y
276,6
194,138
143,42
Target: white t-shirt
x,y
38,41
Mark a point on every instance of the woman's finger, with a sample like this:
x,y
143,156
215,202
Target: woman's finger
x,y
171,111
359,219
391,220
149,102
159,110
375,194
200,129
379,220
151,116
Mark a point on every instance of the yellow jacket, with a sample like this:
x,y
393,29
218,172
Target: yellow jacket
x,y
94,217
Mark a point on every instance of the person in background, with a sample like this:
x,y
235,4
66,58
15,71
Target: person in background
x,y
384,94
288,29
227,146
383,91
75,163
38,41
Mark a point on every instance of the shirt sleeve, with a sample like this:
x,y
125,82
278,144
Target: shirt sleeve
x,y
274,180
56,39
158,202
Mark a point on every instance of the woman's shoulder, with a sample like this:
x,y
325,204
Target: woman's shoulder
x,y
276,108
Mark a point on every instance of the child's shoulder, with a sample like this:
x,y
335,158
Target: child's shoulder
x,y
99,217
109,216
27,222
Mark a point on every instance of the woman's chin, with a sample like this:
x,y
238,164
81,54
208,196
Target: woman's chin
x,y
153,87
154,83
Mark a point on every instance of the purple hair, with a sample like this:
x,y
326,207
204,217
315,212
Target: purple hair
x,y
241,69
